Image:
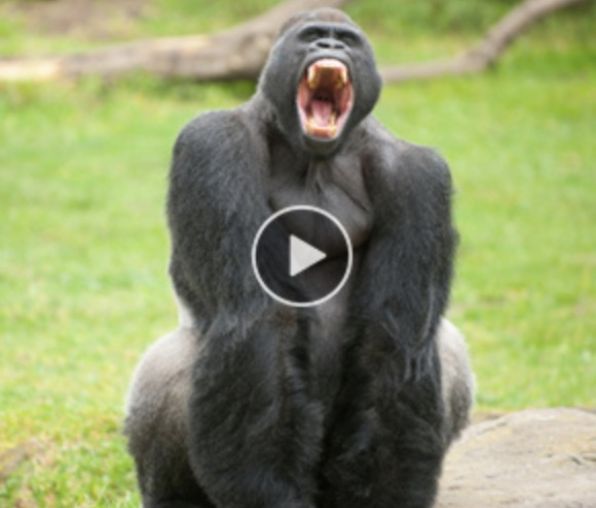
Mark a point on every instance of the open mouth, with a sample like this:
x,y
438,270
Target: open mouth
x,y
324,98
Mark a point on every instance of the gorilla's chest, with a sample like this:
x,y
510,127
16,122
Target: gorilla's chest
x,y
336,187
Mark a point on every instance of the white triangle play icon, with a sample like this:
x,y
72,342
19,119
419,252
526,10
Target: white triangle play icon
x,y
303,255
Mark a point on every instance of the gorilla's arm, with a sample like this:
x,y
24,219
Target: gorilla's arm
x,y
405,278
387,444
245,385
215,206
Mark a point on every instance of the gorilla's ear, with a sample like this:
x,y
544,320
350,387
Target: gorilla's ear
x,y
327,14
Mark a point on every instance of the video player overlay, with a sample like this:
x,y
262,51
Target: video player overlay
x,y
302,256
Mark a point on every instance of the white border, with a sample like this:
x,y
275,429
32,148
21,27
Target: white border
x,y
328,296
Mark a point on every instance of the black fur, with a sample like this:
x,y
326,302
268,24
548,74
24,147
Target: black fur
x,y
280,413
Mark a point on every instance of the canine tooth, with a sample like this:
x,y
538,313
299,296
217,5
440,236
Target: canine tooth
x,y
312,77
343,74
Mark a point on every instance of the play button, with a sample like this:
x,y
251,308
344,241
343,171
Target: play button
x,y
302,256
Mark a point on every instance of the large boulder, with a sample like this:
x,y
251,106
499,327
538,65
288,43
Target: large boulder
x,y
542,458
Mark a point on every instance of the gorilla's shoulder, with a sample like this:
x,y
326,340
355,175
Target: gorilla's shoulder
x,y
215,148
423,170
405,162
422,160
213,130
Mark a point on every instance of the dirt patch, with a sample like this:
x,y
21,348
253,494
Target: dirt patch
x,y
94,19
11,459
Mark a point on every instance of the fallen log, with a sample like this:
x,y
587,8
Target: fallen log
x,y
235,53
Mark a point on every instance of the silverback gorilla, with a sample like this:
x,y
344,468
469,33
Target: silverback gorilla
x,y
349,404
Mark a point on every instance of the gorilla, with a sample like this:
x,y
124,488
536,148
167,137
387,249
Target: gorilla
x,y
350,404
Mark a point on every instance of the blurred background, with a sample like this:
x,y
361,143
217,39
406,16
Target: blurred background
x,y
84,247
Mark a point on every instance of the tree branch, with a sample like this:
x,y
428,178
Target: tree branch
x,y
486,53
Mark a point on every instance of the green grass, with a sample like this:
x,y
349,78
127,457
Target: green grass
x,y
83,252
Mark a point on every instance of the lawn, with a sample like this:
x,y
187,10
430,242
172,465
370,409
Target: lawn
x,y
84,248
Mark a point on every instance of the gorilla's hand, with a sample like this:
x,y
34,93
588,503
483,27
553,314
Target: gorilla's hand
x,y
415,359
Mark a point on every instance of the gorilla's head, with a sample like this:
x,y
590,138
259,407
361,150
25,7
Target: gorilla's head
x,y
321,78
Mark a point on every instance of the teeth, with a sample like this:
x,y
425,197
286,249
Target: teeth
x,y
326,70
312,77
322,131
343,75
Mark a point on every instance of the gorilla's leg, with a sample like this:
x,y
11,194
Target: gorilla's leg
x,y
237,422
157,420
255,427
388,443
457,380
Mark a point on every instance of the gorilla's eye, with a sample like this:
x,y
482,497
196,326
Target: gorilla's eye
x,y
324,98
349,38
312,34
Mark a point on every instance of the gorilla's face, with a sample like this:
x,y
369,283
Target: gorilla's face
x,y
322,80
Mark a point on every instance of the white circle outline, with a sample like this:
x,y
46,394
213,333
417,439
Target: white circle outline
x,y
309,208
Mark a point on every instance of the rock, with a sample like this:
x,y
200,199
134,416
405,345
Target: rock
x,y
542,458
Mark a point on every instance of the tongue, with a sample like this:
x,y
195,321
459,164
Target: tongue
x,y
321,111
